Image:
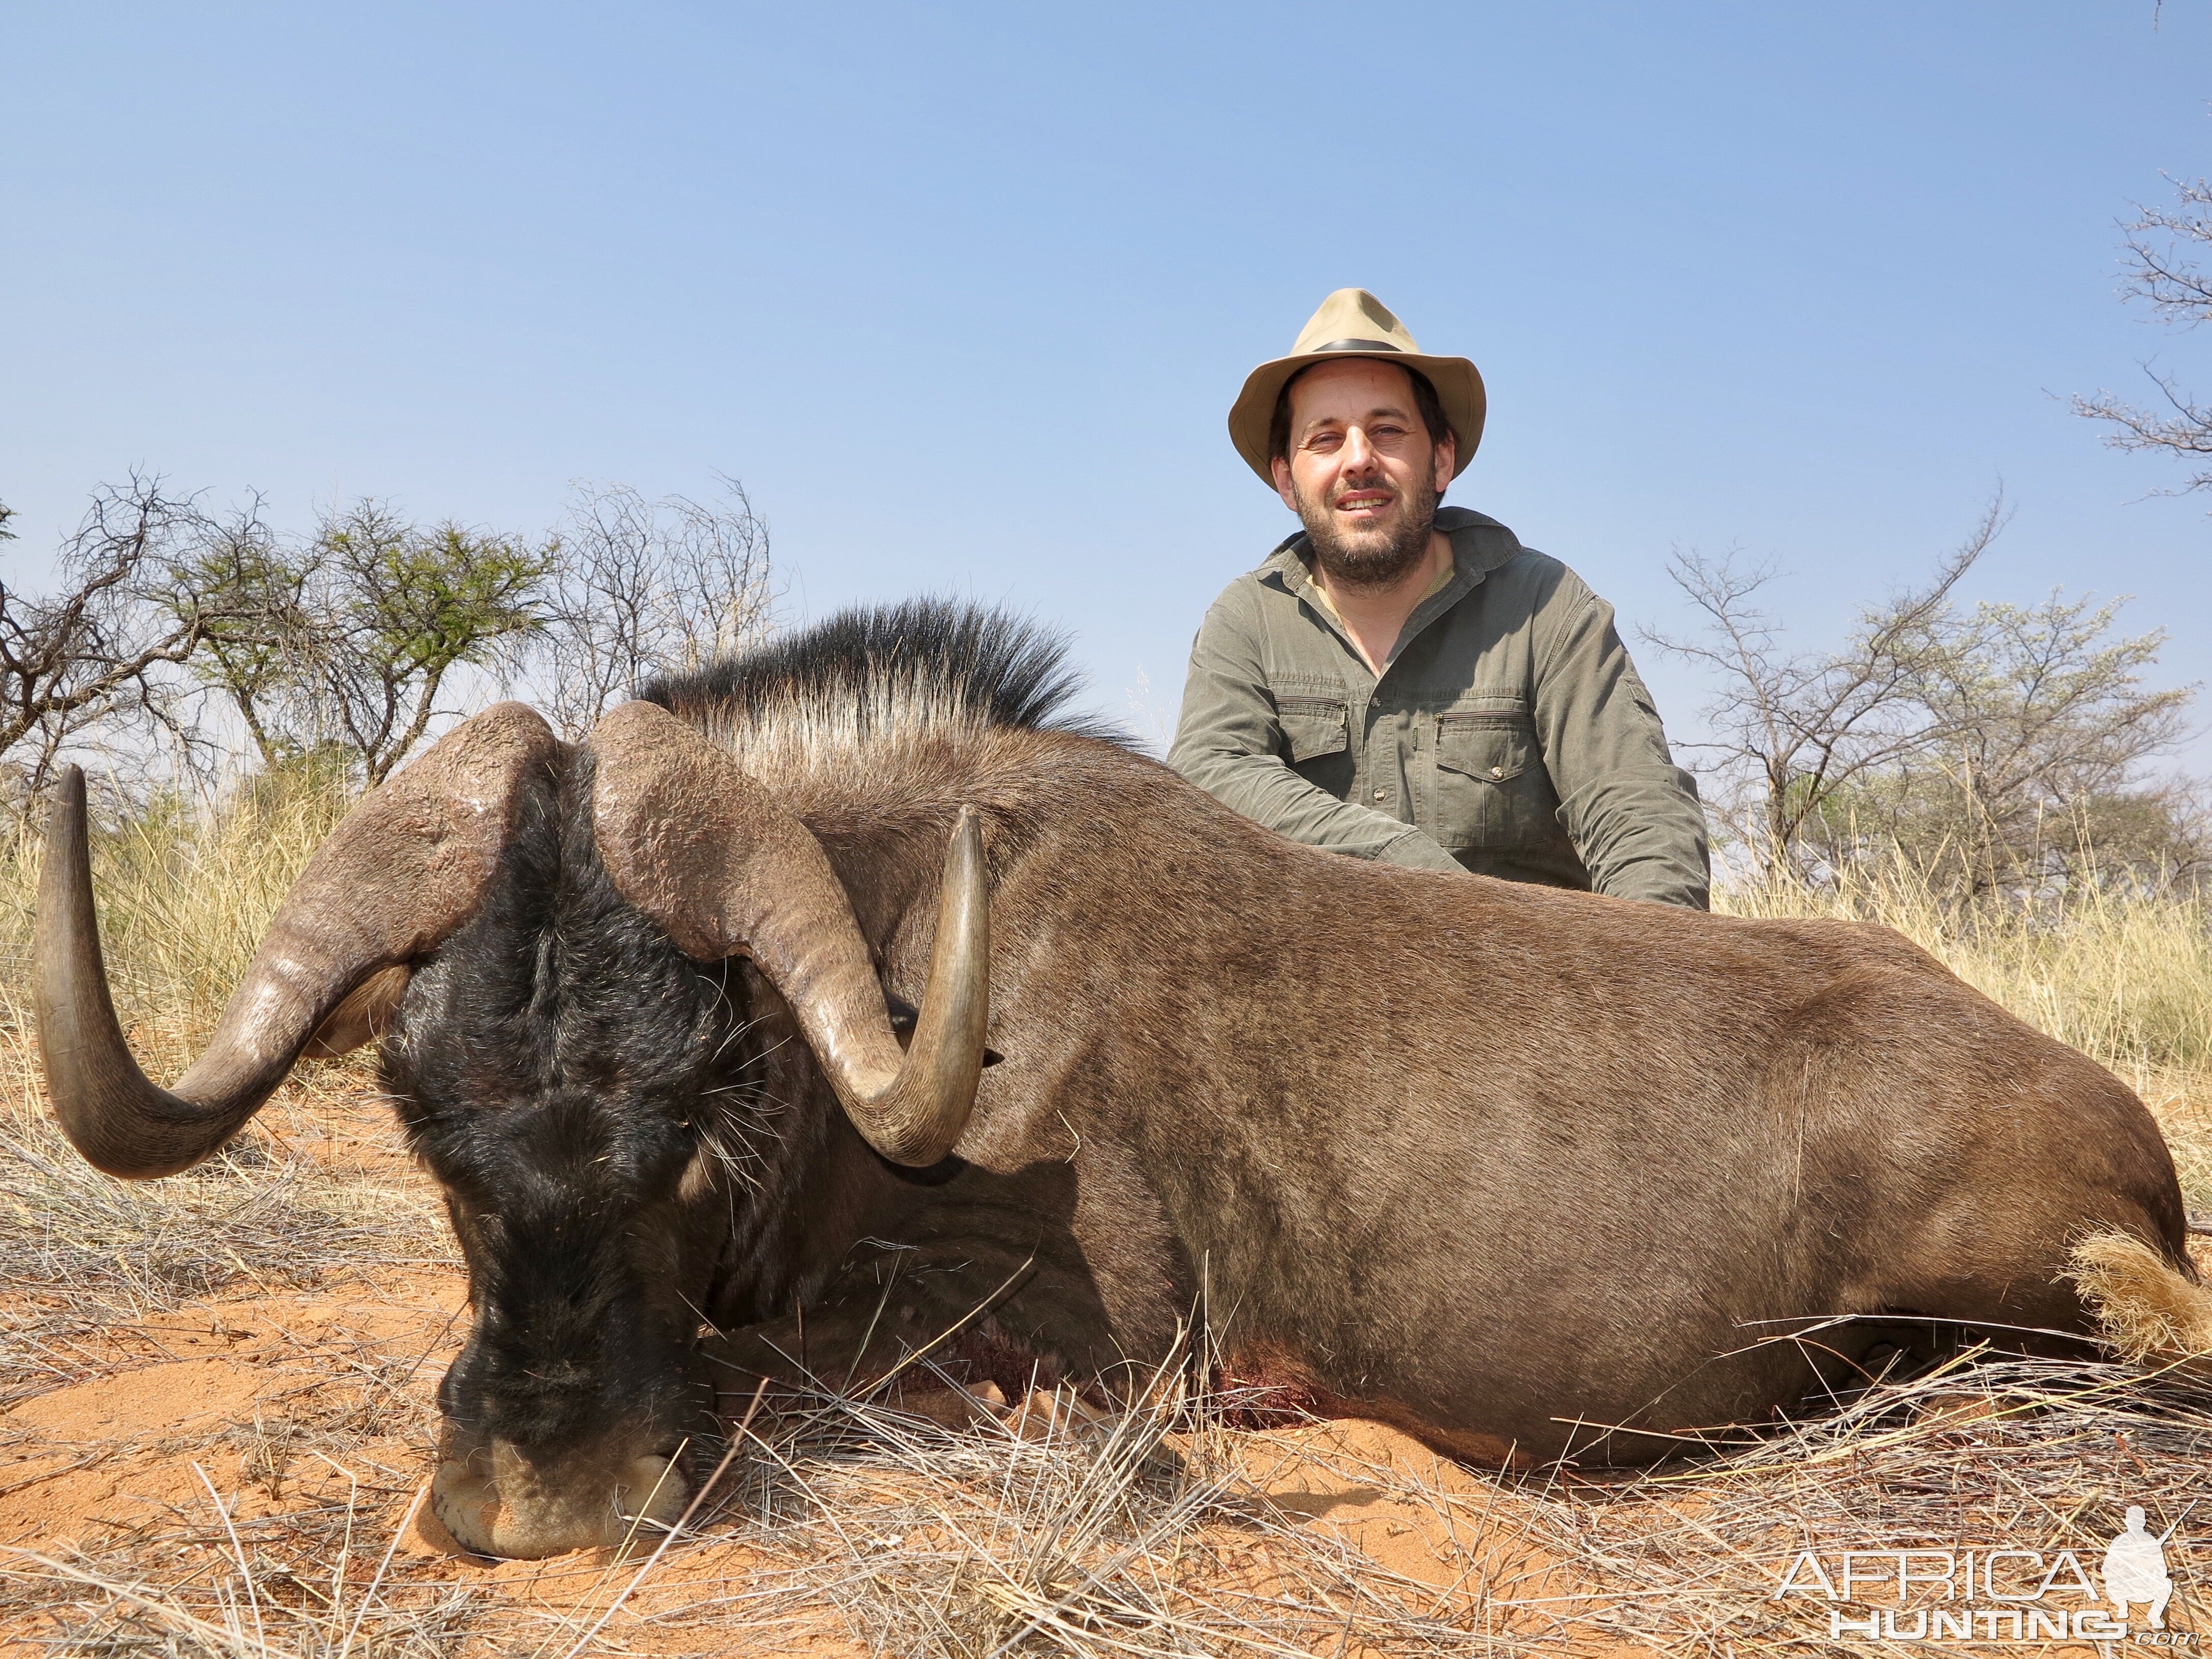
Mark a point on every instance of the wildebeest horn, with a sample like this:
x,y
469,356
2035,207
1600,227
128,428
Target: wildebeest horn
x,y
727,870
404,868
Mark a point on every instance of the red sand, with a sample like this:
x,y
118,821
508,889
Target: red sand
x,y
239,1393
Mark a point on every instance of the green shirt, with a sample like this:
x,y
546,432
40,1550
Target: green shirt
x,y
1508,733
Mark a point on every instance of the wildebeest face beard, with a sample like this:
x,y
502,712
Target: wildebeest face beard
x,y
586,1267
564,1072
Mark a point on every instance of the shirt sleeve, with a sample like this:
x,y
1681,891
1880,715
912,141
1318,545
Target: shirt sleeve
x,y
1632,814
1230,743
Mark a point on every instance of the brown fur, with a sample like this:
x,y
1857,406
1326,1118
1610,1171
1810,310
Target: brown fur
x,y
1488,1160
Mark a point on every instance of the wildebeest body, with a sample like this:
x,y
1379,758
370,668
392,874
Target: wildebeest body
x,y
1522,1170
1490,1159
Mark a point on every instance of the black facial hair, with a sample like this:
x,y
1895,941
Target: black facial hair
x,y
1361,560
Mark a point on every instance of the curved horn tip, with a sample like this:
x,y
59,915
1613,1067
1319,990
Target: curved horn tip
x,y
405,866
87,1065
65,811
926,1111
965,856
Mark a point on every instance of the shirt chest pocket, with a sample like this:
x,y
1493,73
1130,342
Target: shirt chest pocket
x,y
1492,787
1313,725
1318,735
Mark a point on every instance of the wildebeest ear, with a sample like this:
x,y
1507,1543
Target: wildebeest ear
x,y
904,1016
366,1014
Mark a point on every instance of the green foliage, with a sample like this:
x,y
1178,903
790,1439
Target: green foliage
x,y
2035,727
350,638
253,647
402,608
356,639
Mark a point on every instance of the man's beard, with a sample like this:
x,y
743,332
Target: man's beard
x,y
1372,555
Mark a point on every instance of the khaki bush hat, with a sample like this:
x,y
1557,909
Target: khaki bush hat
x,y
1353,322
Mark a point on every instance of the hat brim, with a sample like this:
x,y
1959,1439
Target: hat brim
x,y
1458,384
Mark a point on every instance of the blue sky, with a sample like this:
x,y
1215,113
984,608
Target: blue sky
x,y
962,296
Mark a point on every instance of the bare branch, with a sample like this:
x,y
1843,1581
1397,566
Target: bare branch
x,y
94,652
1791,729
642,585
2163,246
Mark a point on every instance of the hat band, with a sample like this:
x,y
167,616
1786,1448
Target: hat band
x,y
1358,345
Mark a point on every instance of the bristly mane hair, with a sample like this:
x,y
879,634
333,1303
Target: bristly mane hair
x,y
877,671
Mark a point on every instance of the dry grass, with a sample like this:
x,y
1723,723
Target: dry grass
x,y
183,899
1050,1530
262,1550
855,1527
1986,1451
81,1252
183,896
1129,1536
2124,976
108,1278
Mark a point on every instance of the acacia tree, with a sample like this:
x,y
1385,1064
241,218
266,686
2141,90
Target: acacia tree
x,y
356,633
1790,728
399,609
2039,728
254,651
2164,245
349,643
1993,746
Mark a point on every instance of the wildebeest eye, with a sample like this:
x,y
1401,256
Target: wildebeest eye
x,y
905,1016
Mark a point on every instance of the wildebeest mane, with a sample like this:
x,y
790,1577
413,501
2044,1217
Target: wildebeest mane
x,y
926,661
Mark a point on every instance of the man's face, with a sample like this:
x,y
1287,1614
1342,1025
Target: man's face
x,y
1361,473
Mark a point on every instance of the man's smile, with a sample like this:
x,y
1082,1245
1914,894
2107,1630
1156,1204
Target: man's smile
x,y
1365,503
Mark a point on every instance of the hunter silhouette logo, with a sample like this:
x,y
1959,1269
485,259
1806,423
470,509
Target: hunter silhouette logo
x,y
1995,1594
2134,1569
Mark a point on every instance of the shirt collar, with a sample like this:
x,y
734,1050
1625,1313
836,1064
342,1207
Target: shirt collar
x,y
1480,544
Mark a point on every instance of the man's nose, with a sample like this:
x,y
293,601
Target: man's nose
x,y
1358,455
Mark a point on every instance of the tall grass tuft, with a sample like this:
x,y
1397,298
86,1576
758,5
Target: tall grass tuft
x,y
185,891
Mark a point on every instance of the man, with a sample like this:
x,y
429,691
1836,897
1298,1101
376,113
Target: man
x,y
1407,683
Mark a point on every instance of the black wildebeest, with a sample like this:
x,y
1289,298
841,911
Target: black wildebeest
x,y
1483,1160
